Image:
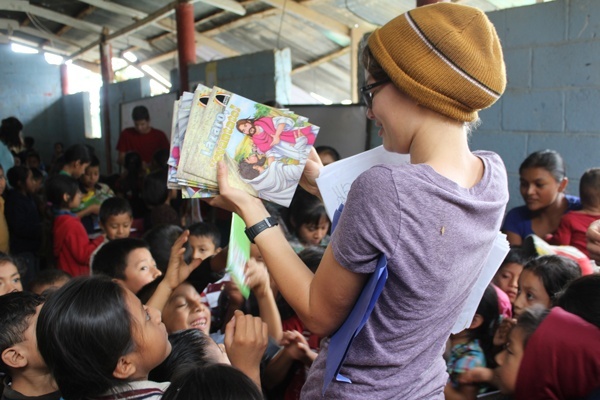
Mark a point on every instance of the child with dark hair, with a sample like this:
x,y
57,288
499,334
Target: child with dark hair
x,y
100,341
115,220
93,193
74,161
507,277
472,347
245,342
509,360
580,297
128,261
23,218
190,348
130,184
28,376
542,280
215,381
10,278
308,221
72,247
574,224
160,240
48,280
327,154
205,239
158,197
561,359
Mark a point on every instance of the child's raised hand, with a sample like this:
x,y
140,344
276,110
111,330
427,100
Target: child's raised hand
x,y
246,339
476,375
178,270
501,334
257,276
296,346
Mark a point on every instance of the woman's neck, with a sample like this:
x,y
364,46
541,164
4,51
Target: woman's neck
x,y
442,144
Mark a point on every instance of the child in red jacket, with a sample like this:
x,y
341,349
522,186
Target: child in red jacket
x,y
72,247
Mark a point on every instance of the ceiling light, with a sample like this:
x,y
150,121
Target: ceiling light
x,y
19,48
129,56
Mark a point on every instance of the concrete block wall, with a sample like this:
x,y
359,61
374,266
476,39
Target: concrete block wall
x,y
262,76
30,91
552,100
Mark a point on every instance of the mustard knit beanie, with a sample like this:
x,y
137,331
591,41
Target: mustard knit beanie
x,y
447,57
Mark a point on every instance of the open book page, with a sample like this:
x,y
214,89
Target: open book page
x,y
335,179
238,254
492,263
265,148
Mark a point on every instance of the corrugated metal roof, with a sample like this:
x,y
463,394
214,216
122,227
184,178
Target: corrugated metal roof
x,y
314,30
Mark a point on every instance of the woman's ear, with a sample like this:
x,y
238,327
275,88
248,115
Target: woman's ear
x,y
125,367
66,198
563,184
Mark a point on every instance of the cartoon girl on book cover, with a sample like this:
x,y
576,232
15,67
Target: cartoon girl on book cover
x,y
278,137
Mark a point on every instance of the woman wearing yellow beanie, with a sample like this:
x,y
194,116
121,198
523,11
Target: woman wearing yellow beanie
x,y
428,73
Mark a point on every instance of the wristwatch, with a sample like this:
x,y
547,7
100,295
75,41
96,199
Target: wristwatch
x,y
257,228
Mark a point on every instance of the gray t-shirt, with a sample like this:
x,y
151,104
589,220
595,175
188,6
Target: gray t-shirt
x,y
436,236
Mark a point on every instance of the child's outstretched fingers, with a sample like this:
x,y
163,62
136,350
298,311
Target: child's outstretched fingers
x,y
257,277
178,270
501,334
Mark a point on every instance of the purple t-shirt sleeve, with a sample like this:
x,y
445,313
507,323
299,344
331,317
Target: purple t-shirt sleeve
x,y
366,230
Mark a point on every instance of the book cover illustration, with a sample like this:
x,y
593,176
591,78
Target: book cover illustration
x,y
265,148
238,254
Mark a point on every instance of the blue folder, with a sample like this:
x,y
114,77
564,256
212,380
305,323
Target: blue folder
x,y
342,339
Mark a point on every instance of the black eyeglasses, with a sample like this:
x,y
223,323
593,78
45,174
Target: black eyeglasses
x,y
368,95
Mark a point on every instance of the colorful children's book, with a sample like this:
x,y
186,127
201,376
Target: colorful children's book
x,y
265,148
238,254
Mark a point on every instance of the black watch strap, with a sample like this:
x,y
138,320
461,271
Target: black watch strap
x,y
257,228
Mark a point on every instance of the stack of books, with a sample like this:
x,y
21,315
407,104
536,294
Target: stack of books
x,y
265,148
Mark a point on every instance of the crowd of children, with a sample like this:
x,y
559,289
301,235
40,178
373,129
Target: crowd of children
x,y
122,300
189,321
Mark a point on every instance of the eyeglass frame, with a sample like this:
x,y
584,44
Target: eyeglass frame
x,y
368,95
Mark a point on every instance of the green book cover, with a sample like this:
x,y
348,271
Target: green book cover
x,y
238,254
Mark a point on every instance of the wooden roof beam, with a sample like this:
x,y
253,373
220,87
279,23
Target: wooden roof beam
x,y
26,7
300,11
321,60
